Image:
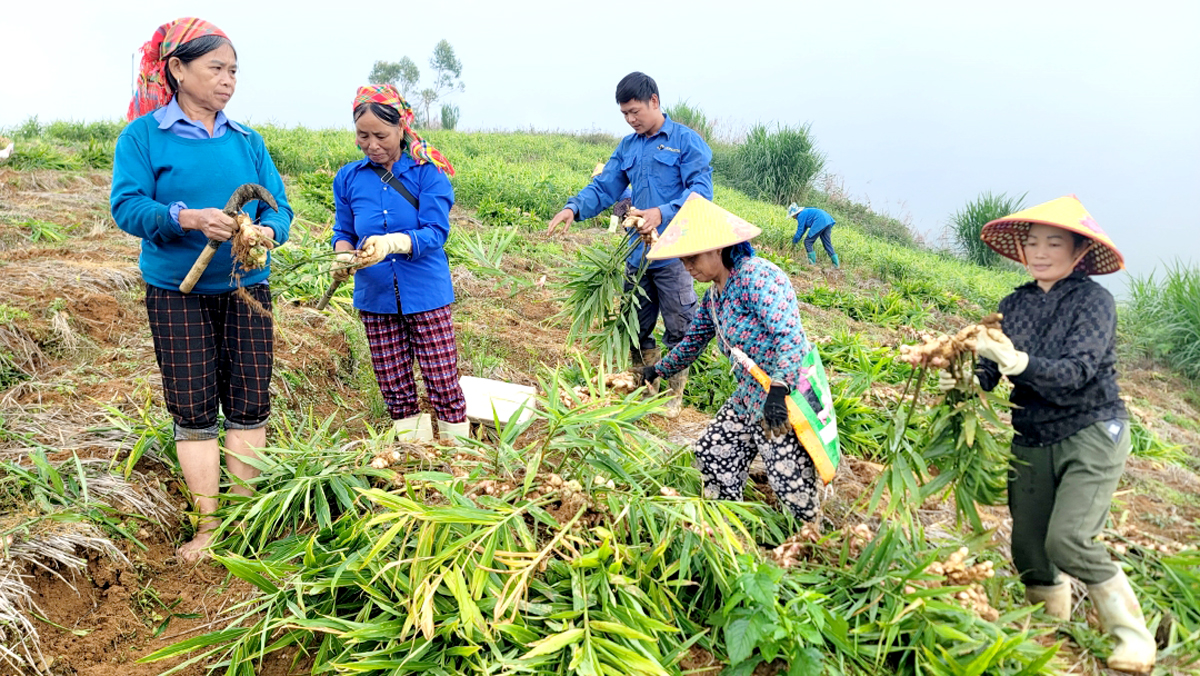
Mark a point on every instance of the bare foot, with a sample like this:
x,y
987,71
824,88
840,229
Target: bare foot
x,y
197,549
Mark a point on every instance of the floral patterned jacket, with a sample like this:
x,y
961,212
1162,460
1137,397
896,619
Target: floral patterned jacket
x,y
757,313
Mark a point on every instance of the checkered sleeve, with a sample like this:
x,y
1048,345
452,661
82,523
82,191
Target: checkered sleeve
x,y
1091,338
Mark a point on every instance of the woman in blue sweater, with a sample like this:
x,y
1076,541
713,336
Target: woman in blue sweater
x,y
175,165
393,218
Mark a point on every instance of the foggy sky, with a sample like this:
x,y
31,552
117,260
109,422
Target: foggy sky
x,y
918,106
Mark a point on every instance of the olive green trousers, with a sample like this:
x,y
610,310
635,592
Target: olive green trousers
x,y
1059,497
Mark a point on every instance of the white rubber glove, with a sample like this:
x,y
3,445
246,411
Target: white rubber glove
x,y
343,267
946,381
377,247
996,346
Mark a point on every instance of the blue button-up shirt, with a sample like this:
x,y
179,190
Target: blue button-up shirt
x,y
401,283
662,171
172,118
813,220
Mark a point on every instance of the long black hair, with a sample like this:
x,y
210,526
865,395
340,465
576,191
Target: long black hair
x,y
192,50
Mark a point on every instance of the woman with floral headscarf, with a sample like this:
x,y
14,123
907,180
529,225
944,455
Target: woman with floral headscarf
x,y
176,164
1071,430
393,218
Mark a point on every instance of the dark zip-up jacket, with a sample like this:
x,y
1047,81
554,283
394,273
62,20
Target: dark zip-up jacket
x,y
1070,335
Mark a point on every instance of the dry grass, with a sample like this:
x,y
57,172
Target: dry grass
x,y
56,549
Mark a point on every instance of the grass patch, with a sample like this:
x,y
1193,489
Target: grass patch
x,y
1162,317
967,223
774,164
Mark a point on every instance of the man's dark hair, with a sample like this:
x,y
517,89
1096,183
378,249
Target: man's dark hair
x,y
637,85
192,50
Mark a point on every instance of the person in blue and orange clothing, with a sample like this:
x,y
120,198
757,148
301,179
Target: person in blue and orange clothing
x,y
1071,430
662,162
817,223
392,221
175,166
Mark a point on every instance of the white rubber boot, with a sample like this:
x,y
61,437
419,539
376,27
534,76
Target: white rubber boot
x,y
1121,616
406,428
425,428
1056,599
451,433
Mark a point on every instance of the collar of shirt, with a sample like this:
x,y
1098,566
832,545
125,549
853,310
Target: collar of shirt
x,y
401,165
1060,285
667,128
171,117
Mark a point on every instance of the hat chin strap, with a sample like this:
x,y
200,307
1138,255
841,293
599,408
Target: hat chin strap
x,y
1086,248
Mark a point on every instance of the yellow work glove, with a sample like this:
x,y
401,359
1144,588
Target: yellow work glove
x,y
343,267
378,247
996,346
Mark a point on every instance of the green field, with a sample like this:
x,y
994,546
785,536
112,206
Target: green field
x,y
577,542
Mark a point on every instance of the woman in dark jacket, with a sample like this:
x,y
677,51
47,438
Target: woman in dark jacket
x,y
1071,431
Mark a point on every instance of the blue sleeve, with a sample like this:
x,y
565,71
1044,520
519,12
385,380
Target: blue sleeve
x,y
697,337
133,208
695,168
343,217
627,195
279,220
603,191
801,227
435,196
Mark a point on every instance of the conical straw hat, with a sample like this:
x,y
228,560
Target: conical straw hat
x,y
599,169
1006,236
701,226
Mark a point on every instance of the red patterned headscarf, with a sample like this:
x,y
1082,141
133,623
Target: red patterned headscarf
x,y
152,92
420,151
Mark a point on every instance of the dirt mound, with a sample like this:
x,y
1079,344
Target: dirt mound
x,y
102,623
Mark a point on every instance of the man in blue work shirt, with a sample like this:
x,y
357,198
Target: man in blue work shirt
x,y
662,162
818,224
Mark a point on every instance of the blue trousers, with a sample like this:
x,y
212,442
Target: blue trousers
x,y
826,237
669,292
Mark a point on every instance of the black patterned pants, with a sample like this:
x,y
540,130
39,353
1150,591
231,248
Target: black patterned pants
x,y
216,354
731,441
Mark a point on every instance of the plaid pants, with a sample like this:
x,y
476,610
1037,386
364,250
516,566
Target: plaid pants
x,y
393,339
216,354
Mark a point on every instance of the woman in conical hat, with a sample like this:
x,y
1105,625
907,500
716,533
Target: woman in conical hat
x,y
1071,431
751,309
